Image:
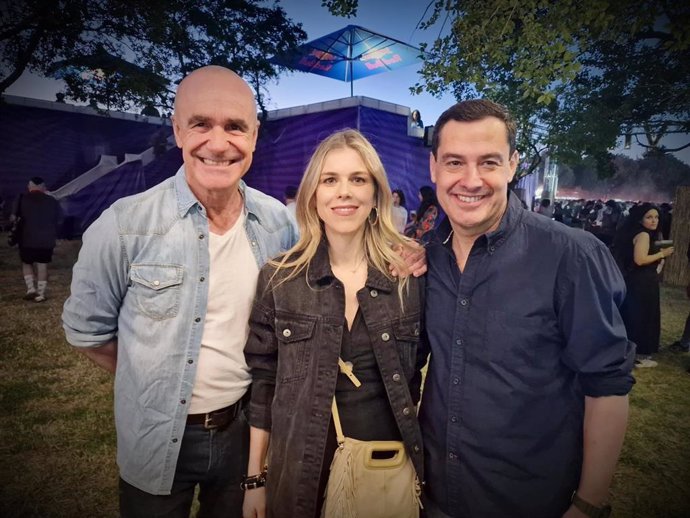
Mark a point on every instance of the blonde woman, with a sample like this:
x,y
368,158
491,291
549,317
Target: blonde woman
x,y
331,297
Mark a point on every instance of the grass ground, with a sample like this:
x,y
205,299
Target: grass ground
x,y
57,439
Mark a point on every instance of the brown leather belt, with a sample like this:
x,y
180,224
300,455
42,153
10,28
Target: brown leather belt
x,y
218,418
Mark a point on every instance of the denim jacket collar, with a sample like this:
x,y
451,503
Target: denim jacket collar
x,y
319,271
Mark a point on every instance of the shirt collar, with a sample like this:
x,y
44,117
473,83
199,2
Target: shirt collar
x,y
186,198
319,272
490,240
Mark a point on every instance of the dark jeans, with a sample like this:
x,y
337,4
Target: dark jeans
x,y
213,459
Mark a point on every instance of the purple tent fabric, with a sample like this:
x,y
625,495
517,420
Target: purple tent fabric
x,y
59,145
285,146
82,208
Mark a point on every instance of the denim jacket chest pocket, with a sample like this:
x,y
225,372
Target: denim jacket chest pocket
x,y
406,331
294,334
156,289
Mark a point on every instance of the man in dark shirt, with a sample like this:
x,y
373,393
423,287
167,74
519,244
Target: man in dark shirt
x,y
38,213
525,400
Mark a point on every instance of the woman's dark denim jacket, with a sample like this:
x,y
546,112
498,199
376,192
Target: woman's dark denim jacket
x,y
294,343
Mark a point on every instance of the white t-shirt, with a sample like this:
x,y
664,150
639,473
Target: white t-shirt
x,y
222,375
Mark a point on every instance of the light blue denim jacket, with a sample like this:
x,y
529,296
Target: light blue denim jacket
x,y
141,277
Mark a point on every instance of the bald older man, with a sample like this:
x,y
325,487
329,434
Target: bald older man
x,y
161,295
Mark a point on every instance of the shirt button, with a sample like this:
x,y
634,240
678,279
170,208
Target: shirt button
x,y
201,236
374,293
453,419
254,243
396,377
183,401
416,331
456,381
464,302
492,249
406,411
156,283
452,456
174,439
385,337
287,333
202,279
415,448
190,361
458,341
197,320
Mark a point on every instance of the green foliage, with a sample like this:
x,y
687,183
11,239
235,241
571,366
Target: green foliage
x,y
585,70
344,8
118,53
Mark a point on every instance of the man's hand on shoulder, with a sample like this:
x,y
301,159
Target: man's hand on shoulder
x,y
414,256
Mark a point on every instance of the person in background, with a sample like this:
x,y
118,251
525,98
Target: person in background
x,y
329,300
290,195
161,296
525,402
545,208
425,217
610,219
39,214
398,211
416,119
639,256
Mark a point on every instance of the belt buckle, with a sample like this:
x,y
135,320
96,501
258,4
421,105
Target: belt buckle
x,y
208,422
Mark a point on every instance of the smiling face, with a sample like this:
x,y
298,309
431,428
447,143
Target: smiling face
x,y
346,193
396,199
472,169
216,127
650,220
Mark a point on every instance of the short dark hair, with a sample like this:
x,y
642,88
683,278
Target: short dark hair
x,y
36,180
474,110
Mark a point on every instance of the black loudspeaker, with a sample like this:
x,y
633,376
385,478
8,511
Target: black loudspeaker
x,y
428,135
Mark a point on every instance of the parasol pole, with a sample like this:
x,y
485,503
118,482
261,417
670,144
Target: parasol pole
x,y
350,35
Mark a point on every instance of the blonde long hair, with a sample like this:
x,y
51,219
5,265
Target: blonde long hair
x,y
382,241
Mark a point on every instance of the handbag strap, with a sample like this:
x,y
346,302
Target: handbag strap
x,y
336,420
345,368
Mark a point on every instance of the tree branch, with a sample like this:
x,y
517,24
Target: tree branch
x,y
22,59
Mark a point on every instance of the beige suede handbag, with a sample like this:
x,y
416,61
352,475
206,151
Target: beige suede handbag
x,y
369,479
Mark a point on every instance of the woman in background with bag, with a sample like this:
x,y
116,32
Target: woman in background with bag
x,y
334,336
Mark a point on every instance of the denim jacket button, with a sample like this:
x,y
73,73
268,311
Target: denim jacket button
x,y
374,293
406,411
287,333
415,448
396,377
156,283
385,337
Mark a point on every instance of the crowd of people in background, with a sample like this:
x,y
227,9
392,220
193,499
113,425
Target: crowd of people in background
x,y
638,235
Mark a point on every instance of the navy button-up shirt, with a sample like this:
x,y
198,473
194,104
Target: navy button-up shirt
x,y
530,327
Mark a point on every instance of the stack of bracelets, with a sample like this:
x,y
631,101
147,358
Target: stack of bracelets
x,y
254,481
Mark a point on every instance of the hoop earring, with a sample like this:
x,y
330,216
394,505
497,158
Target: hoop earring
x,y
374,211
